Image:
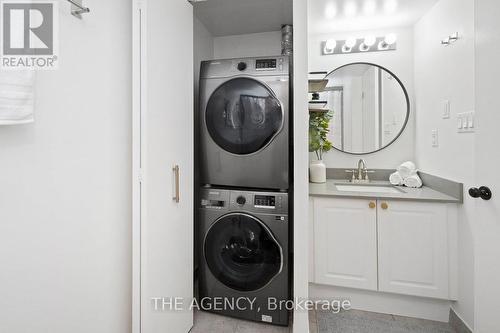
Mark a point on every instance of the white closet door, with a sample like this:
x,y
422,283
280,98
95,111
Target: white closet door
x,y
163,160
486,223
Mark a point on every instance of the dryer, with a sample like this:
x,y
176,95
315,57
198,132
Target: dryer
x,y
244,122
243,254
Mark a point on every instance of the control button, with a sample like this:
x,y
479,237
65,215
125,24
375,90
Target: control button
x,y
242,66
241,200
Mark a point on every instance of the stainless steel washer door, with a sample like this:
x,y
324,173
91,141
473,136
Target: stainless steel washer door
x,y
243,116
242,253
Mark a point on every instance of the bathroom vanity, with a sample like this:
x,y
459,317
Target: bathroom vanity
x,y
383,238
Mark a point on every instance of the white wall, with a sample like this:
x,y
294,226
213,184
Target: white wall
x,y
203,50
65,186
249,45
401,63
447,73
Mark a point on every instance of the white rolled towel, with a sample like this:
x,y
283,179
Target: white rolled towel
x,y
414,181
407,169
396,179
16,97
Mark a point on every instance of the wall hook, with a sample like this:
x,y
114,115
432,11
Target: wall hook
x,y
450,39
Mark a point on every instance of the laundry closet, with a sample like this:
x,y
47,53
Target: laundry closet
x,y
243,119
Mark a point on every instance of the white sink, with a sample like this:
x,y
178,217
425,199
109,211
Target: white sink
x,y
368,188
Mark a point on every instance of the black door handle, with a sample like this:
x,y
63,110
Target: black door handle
x,y
483,192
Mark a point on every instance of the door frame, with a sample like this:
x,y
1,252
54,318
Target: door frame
x,y
139,91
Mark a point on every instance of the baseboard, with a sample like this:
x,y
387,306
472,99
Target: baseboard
x,y
400,305
457,323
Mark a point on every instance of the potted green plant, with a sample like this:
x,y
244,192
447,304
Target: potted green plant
x,y
319,127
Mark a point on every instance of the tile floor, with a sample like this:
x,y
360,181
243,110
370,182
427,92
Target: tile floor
x,y
205,322
352,321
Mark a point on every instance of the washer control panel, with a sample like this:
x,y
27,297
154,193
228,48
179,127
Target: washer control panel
x,y
250,201
265,201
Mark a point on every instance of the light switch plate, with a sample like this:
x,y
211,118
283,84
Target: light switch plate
x,y
446,109
435,138
466,122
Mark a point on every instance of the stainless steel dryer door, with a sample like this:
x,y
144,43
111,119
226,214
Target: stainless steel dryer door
x,y
242,253
243,116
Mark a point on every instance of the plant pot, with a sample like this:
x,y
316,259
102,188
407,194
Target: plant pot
x,y
317,172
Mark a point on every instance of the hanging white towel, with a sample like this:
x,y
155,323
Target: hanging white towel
x,y
413,181
396,179
17,97
407,169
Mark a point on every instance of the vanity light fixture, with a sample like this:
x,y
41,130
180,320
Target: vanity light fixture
x,y
359,45
330,46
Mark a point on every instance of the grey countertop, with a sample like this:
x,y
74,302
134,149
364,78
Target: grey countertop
x,y
426,194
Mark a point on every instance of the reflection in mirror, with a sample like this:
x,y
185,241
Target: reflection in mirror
x,y
370,107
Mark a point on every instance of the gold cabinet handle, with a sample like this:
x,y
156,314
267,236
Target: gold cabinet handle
x,y
372,205
384,205
176,196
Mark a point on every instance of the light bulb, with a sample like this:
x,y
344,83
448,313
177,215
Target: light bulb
x,y
330,45
370,41
391,39
351,42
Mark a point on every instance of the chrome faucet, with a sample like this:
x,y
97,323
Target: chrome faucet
x,y
359,178
362,162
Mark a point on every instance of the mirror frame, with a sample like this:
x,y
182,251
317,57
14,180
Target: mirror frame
x,y
408,108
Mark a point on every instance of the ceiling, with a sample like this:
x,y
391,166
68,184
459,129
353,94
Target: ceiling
x,y
237,17
327,16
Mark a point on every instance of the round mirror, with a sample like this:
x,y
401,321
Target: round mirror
x,y
370,108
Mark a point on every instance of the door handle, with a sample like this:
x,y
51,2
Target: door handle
x,y
176,196
483,192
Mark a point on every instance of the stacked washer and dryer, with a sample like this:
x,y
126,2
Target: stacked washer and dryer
x,y
243,226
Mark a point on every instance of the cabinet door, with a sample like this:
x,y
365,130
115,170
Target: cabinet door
x,y
345,235
413,248
163,155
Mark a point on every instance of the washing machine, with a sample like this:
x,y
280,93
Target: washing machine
x,y
244,122
243,260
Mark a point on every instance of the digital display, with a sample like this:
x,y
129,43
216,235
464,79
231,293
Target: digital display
x,y
266,64
212,203
265,201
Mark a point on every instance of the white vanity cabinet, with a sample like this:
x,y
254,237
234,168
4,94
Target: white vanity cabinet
x,y
345,241
413,245
403,247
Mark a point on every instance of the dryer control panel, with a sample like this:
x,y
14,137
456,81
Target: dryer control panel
x,y
266,64
262,66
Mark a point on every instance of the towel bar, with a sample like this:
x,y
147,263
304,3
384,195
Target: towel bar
x,y
80,8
